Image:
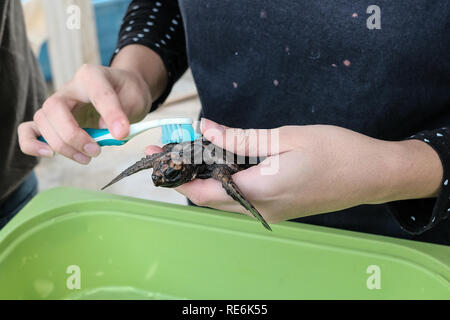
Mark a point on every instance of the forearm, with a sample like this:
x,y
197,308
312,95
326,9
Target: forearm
x,y
151,45
412,170
357,169
145,63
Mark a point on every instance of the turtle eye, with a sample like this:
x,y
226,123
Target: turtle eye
x,y
171,173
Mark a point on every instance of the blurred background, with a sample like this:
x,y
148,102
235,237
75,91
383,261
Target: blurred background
x,y
60,51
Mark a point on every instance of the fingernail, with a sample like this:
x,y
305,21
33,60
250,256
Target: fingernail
x,y
206,124
118,129
81,158
202,124
102,124
46,153
92,149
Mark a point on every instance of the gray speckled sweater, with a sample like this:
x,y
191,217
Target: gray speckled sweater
x,y
264,64
22,91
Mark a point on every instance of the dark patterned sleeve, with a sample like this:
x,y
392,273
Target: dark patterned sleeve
x,y
158,26
418,216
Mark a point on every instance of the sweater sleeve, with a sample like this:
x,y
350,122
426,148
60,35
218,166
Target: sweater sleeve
x,y
157,25
419,215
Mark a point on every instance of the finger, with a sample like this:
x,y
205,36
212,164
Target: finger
x,y
209,193
28,133
204,192
152,149
98,90
251,182
102,124
57,111
249,142
55,142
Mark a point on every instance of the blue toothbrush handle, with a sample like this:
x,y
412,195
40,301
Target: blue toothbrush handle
x,y
97,133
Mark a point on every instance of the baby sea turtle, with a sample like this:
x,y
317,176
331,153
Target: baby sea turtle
x,y
179,163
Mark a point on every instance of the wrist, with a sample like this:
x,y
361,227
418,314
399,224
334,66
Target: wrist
x,y
412,170
146,65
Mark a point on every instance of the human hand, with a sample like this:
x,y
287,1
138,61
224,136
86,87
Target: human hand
x,y
96,97
316,169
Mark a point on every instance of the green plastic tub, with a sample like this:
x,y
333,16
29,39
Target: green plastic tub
x,y
75,244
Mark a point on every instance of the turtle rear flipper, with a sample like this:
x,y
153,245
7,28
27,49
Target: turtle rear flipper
x,y
144,163
233,191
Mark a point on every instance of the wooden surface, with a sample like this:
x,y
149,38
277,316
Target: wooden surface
x,y
72,37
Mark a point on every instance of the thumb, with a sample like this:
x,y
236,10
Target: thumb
x,y
152,149
244,142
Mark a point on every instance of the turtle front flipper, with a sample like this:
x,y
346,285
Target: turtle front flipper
x,y
144,163
221,174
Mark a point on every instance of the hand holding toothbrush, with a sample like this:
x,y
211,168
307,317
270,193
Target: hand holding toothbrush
x,y
118,95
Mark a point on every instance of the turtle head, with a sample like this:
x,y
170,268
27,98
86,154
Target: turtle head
x,y
171,173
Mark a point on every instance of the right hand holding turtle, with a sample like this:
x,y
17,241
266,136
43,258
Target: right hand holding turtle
x,y
316,169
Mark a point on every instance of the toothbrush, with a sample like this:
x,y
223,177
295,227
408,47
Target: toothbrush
x,y
173,131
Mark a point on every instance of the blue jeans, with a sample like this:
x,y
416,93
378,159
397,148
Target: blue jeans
x,y
18,199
